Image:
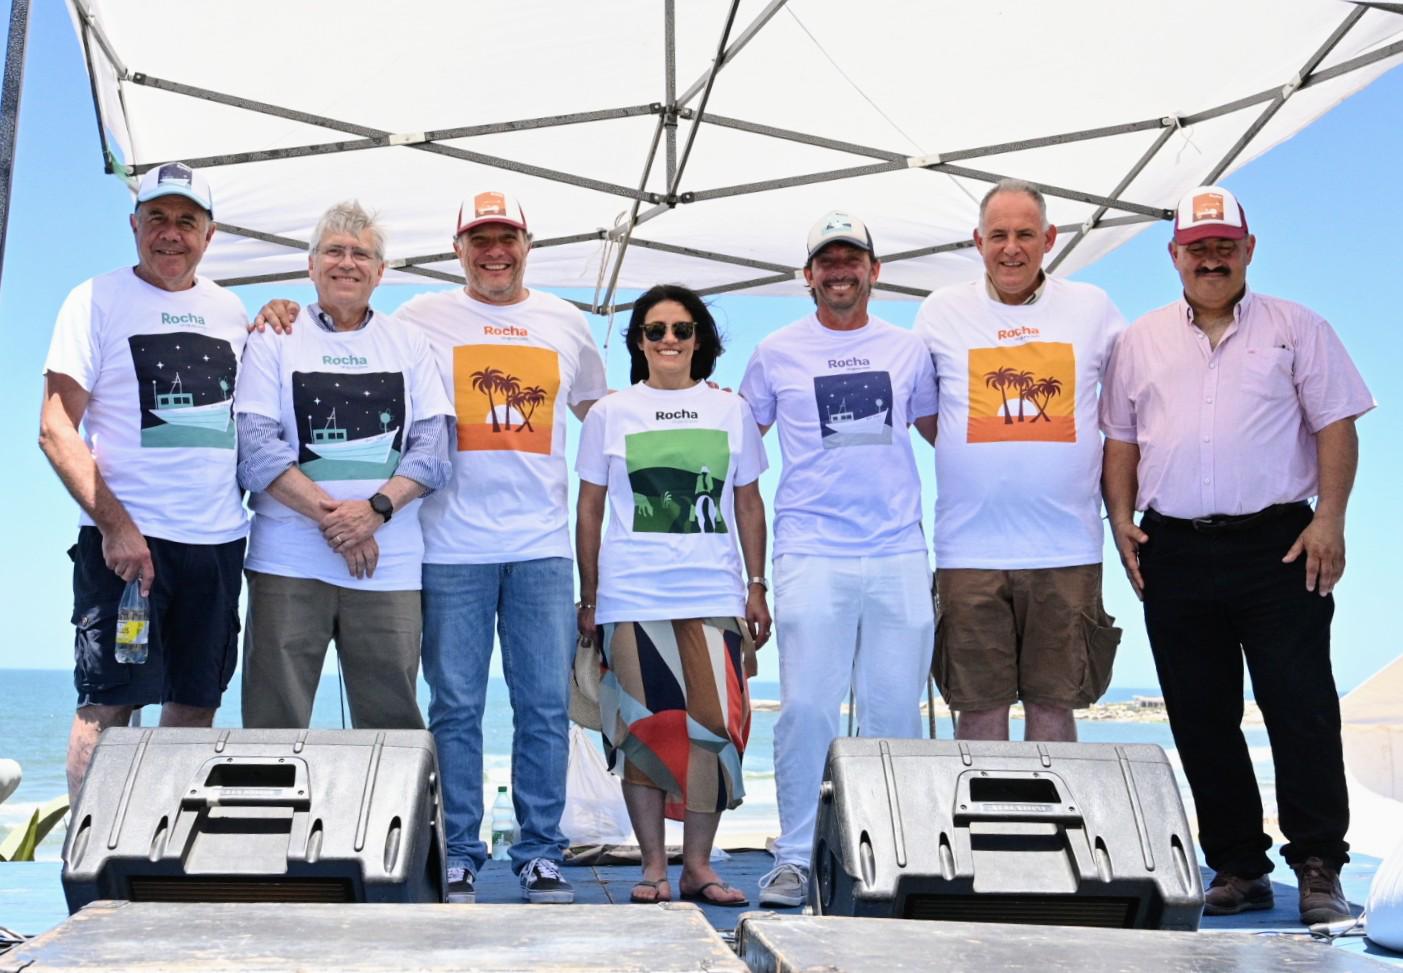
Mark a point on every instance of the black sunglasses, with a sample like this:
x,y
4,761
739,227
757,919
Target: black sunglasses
x,y
681,330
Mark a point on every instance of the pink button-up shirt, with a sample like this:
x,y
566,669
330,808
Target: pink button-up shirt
x,y
1228,430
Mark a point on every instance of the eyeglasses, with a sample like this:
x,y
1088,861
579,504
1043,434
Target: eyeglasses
x,y
337,253
681,330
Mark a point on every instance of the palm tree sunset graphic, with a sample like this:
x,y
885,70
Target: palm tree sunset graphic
x,y
493,382
1039,391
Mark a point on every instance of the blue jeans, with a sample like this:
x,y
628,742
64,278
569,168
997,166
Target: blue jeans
x,y
533,604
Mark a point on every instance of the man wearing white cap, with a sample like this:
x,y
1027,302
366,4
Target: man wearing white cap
x,y
144,360
1224,413
851,568
1019,357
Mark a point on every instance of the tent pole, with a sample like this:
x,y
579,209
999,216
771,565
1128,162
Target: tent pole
x,y
13,85
1095,218
727,53
1286,91
670,85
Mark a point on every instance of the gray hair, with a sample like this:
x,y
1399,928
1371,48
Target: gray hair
x,y
348,217
1014,186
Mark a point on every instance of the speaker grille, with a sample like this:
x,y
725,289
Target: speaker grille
x,y
1109,913
178,888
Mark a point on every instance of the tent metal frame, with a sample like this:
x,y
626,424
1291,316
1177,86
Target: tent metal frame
x,y
670,113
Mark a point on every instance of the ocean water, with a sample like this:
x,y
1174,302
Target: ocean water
x,y
36,709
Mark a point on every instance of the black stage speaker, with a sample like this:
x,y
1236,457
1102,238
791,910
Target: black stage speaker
x,y
1070,834
211,815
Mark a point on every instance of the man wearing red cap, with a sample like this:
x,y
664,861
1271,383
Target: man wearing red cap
x,y
496,542
1224,413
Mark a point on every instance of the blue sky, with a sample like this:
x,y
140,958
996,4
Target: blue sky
x,y
1325,207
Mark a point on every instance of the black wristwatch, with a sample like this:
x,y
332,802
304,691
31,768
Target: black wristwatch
x,y
381,505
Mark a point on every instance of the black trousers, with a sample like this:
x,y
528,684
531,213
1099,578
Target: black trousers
x,y
1211,599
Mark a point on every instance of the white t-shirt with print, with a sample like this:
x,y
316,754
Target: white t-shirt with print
x,y
843,401
671,459
1018,453
511,371
346,401
160,368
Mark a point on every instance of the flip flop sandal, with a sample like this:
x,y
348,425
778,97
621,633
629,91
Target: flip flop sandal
x,y
699,895
653,884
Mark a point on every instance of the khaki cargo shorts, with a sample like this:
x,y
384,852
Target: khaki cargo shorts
x,y
1040,635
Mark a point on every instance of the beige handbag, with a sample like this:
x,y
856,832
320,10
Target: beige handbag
x,y
584,684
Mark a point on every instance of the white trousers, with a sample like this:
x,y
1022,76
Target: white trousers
x,y
864,622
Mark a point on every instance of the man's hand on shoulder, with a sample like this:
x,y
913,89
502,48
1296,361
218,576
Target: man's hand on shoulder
x,y
1128,540
1323,542
277,314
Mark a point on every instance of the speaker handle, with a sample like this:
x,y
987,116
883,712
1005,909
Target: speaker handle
x,y
1016,796
249,782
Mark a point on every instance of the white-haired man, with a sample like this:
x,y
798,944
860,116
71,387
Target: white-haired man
x,y
341,431
496,540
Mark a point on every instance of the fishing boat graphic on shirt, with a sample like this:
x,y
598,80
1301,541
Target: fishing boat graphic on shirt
x,y
854,409
349,426
185,385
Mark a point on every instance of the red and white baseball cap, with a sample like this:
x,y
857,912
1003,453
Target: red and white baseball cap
x,y
1209,211
490,207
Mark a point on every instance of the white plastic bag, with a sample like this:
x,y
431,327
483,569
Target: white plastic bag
x,y
1384,908
595,813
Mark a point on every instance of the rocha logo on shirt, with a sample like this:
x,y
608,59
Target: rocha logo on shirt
x,y
1009,334
678,414
853,362
345,361
189,318
505,331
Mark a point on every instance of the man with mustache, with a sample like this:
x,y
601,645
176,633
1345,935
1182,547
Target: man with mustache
x,y
1224,412
1018,358
852,575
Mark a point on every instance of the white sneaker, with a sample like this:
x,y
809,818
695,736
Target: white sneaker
x,y
786,885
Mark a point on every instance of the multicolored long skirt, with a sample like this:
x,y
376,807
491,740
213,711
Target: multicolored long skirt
x,y
676,709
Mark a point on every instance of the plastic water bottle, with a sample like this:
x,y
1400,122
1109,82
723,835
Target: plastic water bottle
x,y
503,825
133,624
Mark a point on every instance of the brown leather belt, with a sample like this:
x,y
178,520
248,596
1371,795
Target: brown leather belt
x,y
1225,523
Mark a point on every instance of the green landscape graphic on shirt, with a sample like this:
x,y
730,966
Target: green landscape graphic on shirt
x,y
349,426
677,477
185,385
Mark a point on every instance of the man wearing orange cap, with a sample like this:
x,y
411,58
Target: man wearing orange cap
x,y
496,542
1224,413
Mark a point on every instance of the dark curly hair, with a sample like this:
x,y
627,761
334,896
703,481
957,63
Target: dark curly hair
x,y
709,346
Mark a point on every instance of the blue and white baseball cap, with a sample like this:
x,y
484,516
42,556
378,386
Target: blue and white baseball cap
x,y
836,227
175,179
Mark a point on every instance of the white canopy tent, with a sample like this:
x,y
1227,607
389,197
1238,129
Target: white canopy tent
x,y
642,156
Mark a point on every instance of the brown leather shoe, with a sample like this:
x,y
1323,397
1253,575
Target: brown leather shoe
x,y
1230,894
1322,899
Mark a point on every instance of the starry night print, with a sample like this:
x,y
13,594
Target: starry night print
x,y
854,408
349,426
185,384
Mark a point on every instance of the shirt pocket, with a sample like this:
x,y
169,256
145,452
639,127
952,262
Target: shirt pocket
x,y
1269,373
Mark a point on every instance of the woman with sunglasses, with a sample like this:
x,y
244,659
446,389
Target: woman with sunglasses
x,y
677,463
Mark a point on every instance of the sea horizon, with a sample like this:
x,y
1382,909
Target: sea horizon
x,y
36,709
